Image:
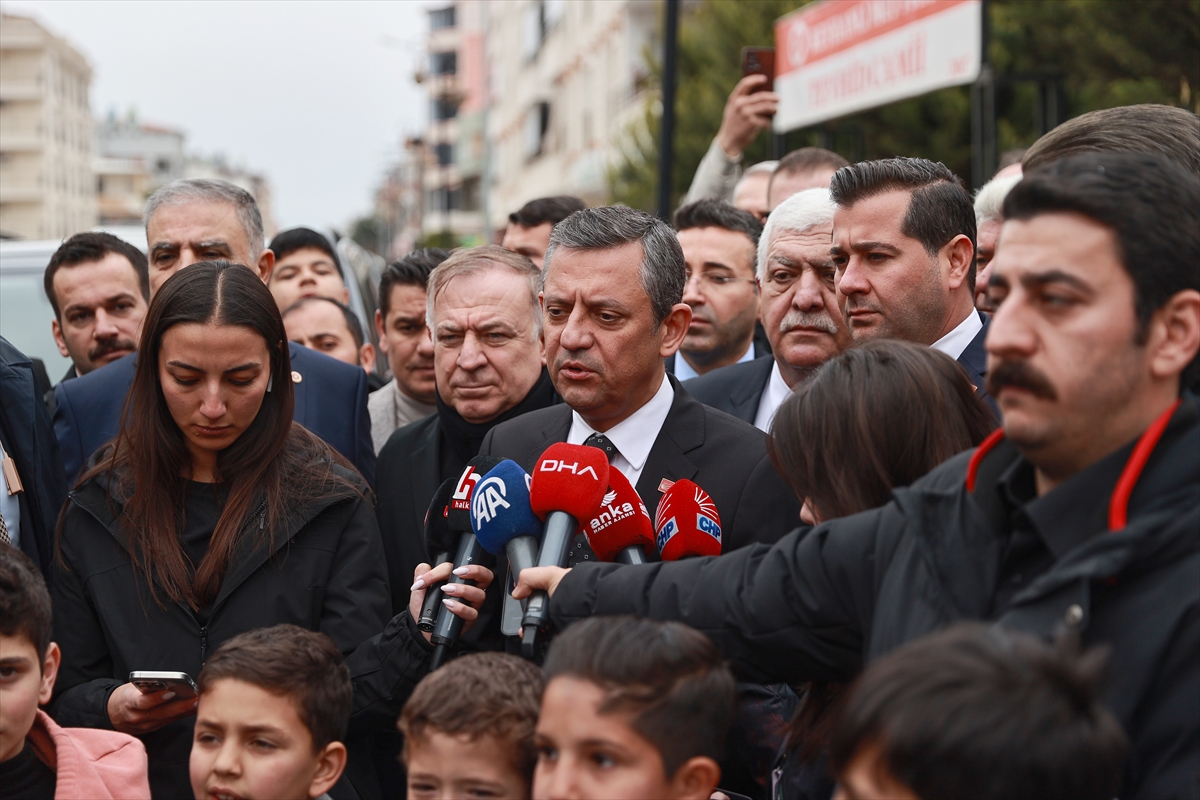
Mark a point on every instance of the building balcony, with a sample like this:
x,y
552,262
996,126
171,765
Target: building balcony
x,y
15,90
21,140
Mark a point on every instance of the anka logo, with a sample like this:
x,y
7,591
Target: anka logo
x,y
554,465
488,499
608,498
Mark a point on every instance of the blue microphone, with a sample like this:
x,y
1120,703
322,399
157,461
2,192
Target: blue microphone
x,y
502,519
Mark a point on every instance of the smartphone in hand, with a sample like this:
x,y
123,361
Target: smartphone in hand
x,y
149,682
759,61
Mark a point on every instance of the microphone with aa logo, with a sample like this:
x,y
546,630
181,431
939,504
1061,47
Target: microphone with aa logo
x,y
440,542
448,626
568,485
502,518
687,523
621,531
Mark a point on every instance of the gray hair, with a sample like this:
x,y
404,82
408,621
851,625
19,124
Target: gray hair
x,y
212,190
663,272
800,213
474,259
990,198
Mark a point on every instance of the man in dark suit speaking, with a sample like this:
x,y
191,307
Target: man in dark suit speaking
x,y
611,297
207,220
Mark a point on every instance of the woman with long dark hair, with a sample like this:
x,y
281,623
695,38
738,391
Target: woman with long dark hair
x,y
209,515
873,419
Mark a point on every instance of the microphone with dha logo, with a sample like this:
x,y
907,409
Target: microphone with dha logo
x,y
687,523
569,483
502,518
449,626
621,531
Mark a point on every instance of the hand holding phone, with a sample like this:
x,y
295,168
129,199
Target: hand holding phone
x,y
152,702
751,104
154,682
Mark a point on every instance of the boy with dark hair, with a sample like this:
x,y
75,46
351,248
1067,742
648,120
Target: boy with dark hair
x,y
633,708
327,326
305,265
38,759
468,729
528,231
274,706
976,711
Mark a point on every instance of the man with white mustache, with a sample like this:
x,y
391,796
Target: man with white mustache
x,y
798,309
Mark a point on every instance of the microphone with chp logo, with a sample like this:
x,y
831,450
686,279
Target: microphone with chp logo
x,y
568,485
621,531
687,523
449,626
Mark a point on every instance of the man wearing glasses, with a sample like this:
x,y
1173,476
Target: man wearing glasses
x,y
799,311
718,242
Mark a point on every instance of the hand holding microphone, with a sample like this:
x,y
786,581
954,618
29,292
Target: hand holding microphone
x,y
621,531
568,485
687,523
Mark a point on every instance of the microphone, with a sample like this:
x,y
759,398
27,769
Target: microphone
x,y
439,544
502,518
622,530
448,626
687,523
568,485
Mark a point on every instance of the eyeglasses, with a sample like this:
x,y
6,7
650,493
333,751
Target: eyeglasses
x,y
716,280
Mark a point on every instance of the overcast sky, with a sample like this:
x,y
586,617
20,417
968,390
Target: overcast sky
x,y
317,95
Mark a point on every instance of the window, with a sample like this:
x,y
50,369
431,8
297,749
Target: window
x,y
444,153
537,124
444,109
440,18
443,63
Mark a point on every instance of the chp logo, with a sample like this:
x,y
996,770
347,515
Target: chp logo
x,y
488,499
706,517
666,532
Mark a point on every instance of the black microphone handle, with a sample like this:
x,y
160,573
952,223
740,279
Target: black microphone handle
x,y
433,598
522,552
634,554
556,545
449,626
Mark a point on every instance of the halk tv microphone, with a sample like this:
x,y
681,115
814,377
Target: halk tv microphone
x,y
440,544
502,518
687,523
569,483
449,626
621,531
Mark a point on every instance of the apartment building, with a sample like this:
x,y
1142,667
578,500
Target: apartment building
x,y
47,188
567,77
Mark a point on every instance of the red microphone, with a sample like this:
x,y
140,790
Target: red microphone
x,y
621,531
687,523
569,483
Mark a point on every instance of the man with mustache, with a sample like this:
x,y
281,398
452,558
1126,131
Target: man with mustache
x,y
719,243
1078,517
798,307
904,251
99,288
611,299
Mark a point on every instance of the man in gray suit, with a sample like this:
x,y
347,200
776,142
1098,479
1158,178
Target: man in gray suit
x,y
798,308
611,300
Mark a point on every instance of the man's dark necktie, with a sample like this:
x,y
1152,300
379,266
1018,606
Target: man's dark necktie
x,y
604,443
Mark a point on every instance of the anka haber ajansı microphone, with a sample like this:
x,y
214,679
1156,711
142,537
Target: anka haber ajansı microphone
x,y
440,544
687,523
448,626
621,531
503,520
568,485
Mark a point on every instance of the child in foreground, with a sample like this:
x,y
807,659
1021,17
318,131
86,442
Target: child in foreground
x,y
468,729
974,711
274,706
39,759
633,708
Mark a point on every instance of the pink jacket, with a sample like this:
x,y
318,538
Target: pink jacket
x,y
92,764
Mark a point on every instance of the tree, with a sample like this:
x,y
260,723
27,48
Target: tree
x,y
1103,52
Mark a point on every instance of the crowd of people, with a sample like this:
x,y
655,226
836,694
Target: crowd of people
x,y
948,448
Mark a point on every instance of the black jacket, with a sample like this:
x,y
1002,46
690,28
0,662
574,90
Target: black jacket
x,y
737,389
28,437
821,602
724,456
325,571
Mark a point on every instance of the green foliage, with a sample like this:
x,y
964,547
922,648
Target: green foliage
x,y
370,233
1105,52
443,239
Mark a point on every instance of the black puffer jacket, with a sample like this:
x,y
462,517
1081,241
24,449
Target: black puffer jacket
x,y
325,572
820,603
